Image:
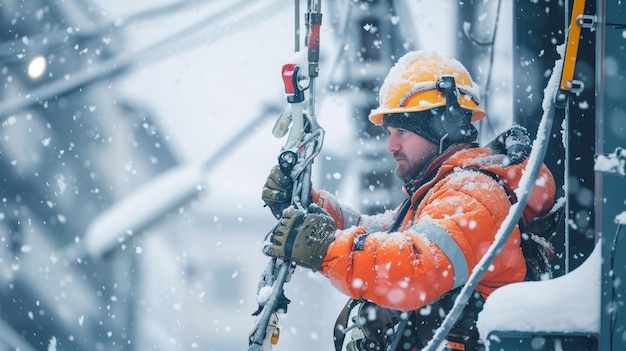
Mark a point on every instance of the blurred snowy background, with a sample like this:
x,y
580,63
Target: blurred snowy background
x,y
133,161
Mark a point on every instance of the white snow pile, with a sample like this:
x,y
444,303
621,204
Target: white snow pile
x,y
612,163
566,304
621,218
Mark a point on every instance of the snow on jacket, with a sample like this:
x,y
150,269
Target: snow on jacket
x,y
456,210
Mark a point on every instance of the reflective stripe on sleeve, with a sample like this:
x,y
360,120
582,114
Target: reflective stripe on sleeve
x,y
449,247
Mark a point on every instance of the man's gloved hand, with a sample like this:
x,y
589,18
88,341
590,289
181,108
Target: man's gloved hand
x,y
303,237
277,191
514,143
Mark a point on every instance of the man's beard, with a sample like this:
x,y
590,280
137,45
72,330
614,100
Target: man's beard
x,y
409,171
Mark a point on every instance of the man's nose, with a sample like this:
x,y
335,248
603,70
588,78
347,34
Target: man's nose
x,y
393,143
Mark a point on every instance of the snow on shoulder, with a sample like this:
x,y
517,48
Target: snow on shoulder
x,y
566,304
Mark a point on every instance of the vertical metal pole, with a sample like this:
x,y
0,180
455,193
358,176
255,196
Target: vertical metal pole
x,y
297,25
313,45
566,184
610,190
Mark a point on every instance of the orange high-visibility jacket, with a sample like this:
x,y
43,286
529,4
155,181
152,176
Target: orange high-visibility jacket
x,y
456,210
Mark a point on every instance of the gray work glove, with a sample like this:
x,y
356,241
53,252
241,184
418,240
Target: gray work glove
x,y
513,143
277,191
303,237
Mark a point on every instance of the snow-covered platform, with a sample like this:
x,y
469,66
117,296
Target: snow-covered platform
x,y
558,314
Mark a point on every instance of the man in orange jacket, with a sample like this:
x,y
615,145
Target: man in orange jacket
x,y
458,195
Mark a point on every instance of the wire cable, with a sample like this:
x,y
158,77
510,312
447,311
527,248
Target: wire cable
x,y
613,309
42,42
183,40
491,43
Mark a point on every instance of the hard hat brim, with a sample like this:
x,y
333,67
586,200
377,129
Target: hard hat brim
x,y
376,116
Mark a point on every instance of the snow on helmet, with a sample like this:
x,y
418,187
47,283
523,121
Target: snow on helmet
x,y
411,86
